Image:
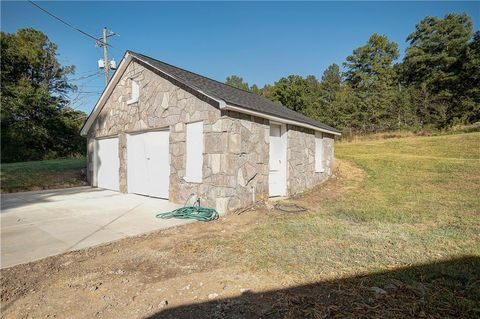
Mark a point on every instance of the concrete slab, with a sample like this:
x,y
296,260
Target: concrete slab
x,y
36,225
96,238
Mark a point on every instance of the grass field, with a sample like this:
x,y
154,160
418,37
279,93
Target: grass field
x,y
421,191
394,234
40,175
402,202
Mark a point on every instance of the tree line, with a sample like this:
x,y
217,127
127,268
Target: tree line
x,y
435,86
37,121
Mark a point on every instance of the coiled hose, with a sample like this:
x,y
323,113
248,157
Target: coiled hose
x,y
196,212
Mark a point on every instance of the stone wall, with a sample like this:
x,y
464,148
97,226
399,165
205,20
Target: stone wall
x,y
301,159
244,165
235,161
236,146
235,167
162,104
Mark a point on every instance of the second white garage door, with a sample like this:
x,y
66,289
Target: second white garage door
x,y
106,163
148,170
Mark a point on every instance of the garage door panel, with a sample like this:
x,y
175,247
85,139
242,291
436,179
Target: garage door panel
x,y
107,163
149,163
158,163
137,170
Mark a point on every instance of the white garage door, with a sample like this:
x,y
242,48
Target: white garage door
x,y
148,171
107,163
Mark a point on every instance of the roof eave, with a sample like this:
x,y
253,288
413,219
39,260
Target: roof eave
x,y
222,104
279,119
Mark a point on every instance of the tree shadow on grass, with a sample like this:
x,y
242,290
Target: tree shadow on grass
x,y
444,289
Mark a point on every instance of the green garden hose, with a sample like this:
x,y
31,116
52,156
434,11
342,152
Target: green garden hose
x,y
198,212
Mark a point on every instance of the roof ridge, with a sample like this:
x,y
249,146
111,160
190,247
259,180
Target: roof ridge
x,y
230,94
185,70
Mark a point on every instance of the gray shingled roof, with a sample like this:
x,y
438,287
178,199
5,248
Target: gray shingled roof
x,y
231,95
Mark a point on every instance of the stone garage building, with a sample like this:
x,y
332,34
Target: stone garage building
x,y
162,131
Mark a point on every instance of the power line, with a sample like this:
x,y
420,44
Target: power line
x,y
85,77
97,40
86,72
89,92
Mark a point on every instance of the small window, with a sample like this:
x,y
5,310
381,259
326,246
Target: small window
x,y
319,152
135,93
194,152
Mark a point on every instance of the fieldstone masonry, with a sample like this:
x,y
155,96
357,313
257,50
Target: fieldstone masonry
x,y
301,173
236,146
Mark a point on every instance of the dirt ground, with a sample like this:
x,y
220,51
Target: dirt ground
x,y
130,278
201,270
141,276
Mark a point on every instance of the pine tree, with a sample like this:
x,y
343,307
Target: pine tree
x,y
237,81
370,72
329,88
435,64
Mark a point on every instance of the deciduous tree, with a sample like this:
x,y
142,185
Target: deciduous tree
x,y
36,123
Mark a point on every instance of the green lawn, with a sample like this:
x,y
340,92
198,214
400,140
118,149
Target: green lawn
x,y
39,175
395,203
422,193
416,180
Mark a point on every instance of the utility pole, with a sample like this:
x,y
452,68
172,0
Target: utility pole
x,y
106,63
105,56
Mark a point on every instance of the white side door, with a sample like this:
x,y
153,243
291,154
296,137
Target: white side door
x,y
148,170
277,178
107,163
158,163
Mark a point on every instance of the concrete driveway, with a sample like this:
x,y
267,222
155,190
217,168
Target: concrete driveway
x,y
35,225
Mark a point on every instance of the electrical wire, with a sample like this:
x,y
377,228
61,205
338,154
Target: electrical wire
x,y
85,77
88,92
83,73
69,25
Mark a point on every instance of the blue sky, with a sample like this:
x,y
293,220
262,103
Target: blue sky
x,y
260,41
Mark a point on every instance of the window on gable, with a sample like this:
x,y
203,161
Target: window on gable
x,y
135,93
319,152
